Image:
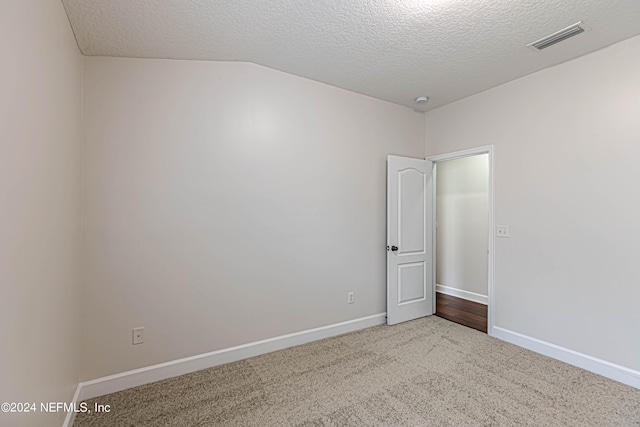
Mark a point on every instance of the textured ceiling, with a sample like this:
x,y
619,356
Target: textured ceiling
x,y
389,49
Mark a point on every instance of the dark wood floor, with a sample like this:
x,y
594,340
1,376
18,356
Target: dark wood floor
x,y
462,311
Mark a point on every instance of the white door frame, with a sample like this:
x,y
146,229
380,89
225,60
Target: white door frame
x,y
487,149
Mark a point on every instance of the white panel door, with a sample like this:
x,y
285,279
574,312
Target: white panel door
x,y
410,288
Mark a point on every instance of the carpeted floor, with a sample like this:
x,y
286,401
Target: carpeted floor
x,y
427,372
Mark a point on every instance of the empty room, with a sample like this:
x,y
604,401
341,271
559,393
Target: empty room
x,y
380,212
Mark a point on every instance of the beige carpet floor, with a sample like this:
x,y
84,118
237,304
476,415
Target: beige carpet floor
x,y
428,372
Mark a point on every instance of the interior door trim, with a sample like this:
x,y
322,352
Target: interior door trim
x,y
486,149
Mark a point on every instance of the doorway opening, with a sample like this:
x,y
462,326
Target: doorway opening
x,y
463,247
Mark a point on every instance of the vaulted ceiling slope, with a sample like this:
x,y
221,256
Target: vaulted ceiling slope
x,y
389,49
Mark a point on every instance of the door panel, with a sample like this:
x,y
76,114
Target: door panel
x,y
411,283
411,208
410,289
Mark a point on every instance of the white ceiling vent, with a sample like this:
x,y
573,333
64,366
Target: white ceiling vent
x,y
558,36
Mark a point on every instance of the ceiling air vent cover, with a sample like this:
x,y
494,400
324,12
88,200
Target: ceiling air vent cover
x,y
558,36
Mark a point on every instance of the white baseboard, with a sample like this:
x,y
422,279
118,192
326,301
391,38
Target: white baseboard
x,y
601,367
71,415
471,296
174,368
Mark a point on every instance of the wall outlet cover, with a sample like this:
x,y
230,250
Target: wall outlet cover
x,y
138,336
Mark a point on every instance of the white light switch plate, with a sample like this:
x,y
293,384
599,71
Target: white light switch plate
x,y
502,231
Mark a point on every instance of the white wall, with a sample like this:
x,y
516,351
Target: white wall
x,y
462,203
226,203
40,129
567,144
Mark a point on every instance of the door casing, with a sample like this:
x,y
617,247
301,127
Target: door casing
x,y
487,149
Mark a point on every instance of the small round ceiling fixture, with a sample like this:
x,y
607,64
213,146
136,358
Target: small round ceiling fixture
x,y
422,99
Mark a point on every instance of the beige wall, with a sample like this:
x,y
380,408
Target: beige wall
x,y
226,203
462,208
567,144
40,126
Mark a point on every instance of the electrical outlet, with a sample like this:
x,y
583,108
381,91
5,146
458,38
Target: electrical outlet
x,y
138,335
350,298
502,230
